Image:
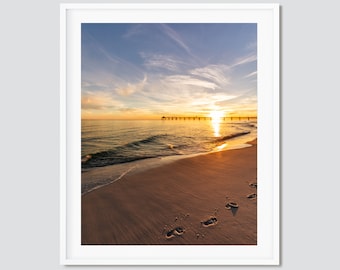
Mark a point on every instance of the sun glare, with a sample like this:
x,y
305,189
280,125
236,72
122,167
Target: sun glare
x,y
215,121
216,115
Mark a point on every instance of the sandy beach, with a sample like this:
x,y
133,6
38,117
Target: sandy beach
x,y
209,199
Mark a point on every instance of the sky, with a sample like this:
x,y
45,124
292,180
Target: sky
x,y
146,71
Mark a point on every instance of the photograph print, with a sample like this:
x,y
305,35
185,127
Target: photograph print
x,y
169,134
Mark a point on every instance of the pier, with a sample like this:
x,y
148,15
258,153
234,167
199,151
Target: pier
x,y
199,118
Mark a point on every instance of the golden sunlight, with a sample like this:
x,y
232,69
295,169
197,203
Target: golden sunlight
x,y
215,121
221,147
216,115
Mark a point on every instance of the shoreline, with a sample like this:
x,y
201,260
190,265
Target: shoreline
x,y
182,202
103,175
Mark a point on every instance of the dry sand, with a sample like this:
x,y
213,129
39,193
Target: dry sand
x,y
183,202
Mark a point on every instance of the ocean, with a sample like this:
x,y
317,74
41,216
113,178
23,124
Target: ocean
x,y
112,148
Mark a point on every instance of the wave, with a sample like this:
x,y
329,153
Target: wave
x,y
159,145
91,186
148,140
150,147
231,136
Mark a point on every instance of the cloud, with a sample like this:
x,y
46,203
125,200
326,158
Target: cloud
x,y
175,37
207,99
245,60
92,86
136,29
130,89
244,97
160,61
183,94
107,55
96,46
178,80
98,101
213,73
192,90
252,74
128,110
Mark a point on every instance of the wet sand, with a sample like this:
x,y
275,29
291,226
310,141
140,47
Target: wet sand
x,y
205,200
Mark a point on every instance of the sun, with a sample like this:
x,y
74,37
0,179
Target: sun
x,y
216,115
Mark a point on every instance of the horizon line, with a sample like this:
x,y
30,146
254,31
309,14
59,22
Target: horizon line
x,y
173,118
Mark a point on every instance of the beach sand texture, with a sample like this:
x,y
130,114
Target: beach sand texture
x,y
204,200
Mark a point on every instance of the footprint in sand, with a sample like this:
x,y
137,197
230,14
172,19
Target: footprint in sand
x,y
252,196
178,231
176,227
210,222
231,205
253,185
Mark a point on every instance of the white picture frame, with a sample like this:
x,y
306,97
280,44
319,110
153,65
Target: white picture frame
x,y
267,251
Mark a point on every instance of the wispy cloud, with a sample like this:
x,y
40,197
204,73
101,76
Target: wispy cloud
x,y
210,100
161,61
252,74
130,89
92,86
244,60
175,37
136,29
99,48
245,98
178,80
107,63
107,55
99,101
213,73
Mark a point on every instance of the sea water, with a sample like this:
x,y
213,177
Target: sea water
x,y
112,148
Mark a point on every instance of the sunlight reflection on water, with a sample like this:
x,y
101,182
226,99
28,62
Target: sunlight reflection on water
x,y
221,147
216,127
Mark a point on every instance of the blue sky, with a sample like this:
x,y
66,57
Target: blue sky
x,y
132,71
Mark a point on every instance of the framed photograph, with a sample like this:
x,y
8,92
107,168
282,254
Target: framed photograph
x,y
169,134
